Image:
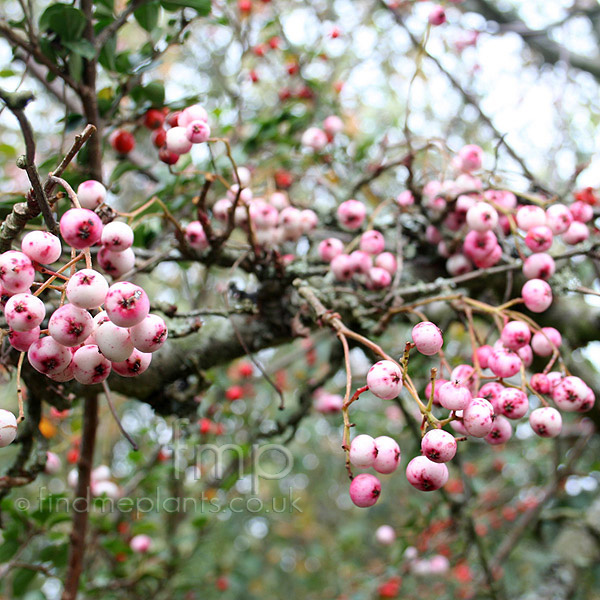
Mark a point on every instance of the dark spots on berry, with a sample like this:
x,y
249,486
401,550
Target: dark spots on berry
x,y
86,280
160,336
135,366
19,308
100,370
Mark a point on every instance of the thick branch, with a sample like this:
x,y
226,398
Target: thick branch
x,y
83,494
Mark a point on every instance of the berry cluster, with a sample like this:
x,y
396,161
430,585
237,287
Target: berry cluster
x,y
491,222
269,221
96,327
480,399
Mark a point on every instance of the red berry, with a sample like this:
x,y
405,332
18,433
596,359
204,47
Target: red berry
x,y
222,583
235,392
172,118
246,369
159,137
245,6
292,68
283,179
253,76
274,42
205,425
122,141
259,50
73,455
154,118
168,157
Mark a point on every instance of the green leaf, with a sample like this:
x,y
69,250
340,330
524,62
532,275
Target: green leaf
x,y
8,549
202,7
81,47
108,54
65,20
76,66
147,15
122,167
155,93
21,580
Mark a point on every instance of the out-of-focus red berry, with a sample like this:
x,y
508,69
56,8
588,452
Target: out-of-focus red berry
x,y
122,141
154,118
235,392
159,137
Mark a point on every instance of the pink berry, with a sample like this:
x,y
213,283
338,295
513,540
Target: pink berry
x,y
478,417
387,261
385,379
326,403
140,543
526,355
581,211
22,340
483,355
191,113
361,262
470,157
41,247
515,335
378,279
482,217
314,138
196,236
385,535
490,260
177,140
436,391
80,228
504,363
530,216
554,377
372,242
117,236
501,432
458,264
540,383
333,125
570,394
478,245
405,199
113,341
363,451
503,198
126,304
388,455
454,396
330,248
438,446
278,200
150,334
221,209
91,194
546,421
196,132
427,338
135,365
263,215
70,325
24,312
308,220
365,490
437,16
16,272
90,366
514,403
53,463
558,218
578,232
87,289
465,375
539,239
539,266
351,214
116,264
8,428
426,475
545,341
47,356
342,267
491,392
589,401
537,295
